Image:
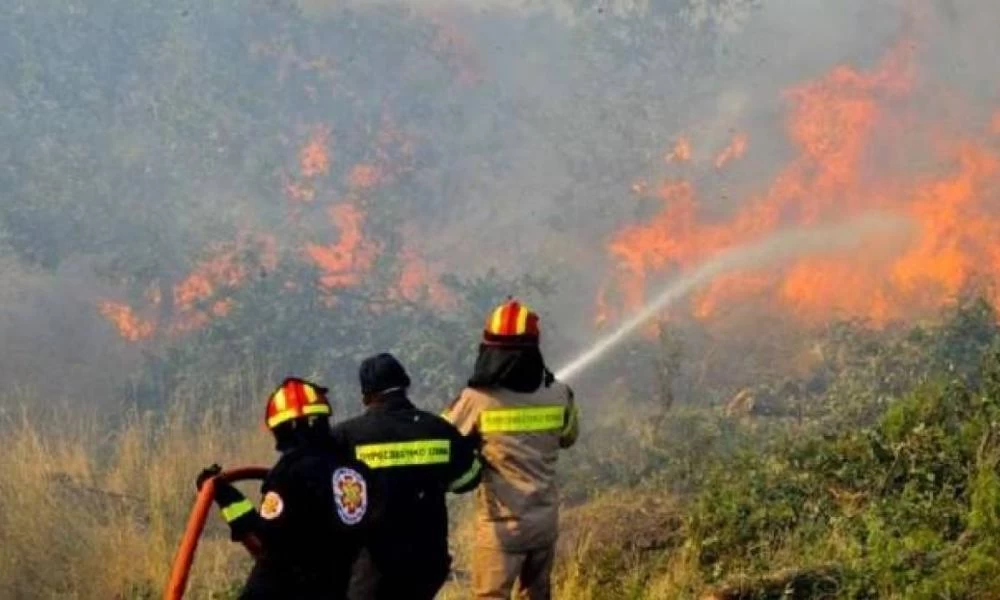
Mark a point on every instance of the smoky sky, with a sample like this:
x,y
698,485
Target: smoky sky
x,y
575,102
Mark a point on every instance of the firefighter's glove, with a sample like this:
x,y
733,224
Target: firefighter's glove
x,y
207,474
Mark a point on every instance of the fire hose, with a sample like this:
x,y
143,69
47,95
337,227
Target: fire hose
x,y
196,524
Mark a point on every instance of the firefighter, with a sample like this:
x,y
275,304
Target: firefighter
x,y
416,457
524,417
316,504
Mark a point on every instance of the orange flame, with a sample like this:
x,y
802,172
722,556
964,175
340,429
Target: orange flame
x,y
206,292
417,279
198,297
735,150
681,151
343,262
201,296
314,160
130,326
839,124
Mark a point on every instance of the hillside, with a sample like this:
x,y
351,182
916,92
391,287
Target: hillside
x,y
877,479
200,198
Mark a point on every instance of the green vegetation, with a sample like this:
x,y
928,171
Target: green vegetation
x,y
185,160
873,487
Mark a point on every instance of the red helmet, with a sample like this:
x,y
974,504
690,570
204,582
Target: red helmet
x,y
294,399
511,324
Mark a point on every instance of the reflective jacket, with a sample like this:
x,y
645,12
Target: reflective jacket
x,y
315,509
517,504
416,457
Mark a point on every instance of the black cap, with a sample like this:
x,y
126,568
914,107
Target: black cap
x,y
380,373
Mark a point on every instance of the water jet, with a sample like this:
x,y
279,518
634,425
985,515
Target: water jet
x,y
777,248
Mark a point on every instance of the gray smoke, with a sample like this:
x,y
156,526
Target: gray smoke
x,y
577,100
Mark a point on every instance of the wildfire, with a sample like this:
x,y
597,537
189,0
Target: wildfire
x,y
842,125
343,262
417,278
681,151
198,298
316,186
130,326
735,150
314,160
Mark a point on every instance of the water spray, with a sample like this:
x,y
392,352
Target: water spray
x,y
777,248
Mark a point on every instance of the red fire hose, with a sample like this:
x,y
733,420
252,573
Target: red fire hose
x,y
196,523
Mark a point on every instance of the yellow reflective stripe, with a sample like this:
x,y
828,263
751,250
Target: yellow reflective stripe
x,y
281,417
310,394
522,420
316,409
280,401
291,413
522,320
468,476
236,510
402,454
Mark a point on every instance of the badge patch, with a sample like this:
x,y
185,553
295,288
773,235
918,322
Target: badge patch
x,y
272,506
350,493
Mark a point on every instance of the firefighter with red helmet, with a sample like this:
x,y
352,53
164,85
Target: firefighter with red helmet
x,y
417,458
316,504
524,417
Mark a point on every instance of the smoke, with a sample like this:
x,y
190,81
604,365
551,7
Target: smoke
x,y
776,248
524,160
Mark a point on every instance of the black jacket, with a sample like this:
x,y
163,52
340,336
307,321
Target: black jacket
x,y
416,458
316,507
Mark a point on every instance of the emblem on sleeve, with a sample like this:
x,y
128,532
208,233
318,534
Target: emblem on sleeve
x,y
350,493
272,506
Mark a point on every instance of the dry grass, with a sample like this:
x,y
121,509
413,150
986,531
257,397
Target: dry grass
x,y
89,513
95,510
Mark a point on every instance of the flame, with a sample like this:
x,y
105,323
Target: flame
x,y
201,295
735,150
314,159
681,151
197,298
206,292
843,126
130,326
313,162
418,280
342,263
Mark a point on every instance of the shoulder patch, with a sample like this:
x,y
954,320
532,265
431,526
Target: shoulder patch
x,y
350,494
272,506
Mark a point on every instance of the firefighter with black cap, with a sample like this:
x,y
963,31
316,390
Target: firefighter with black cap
x,y
524,417
316,504
416,457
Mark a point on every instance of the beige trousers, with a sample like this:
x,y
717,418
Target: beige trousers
x,y
495,573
